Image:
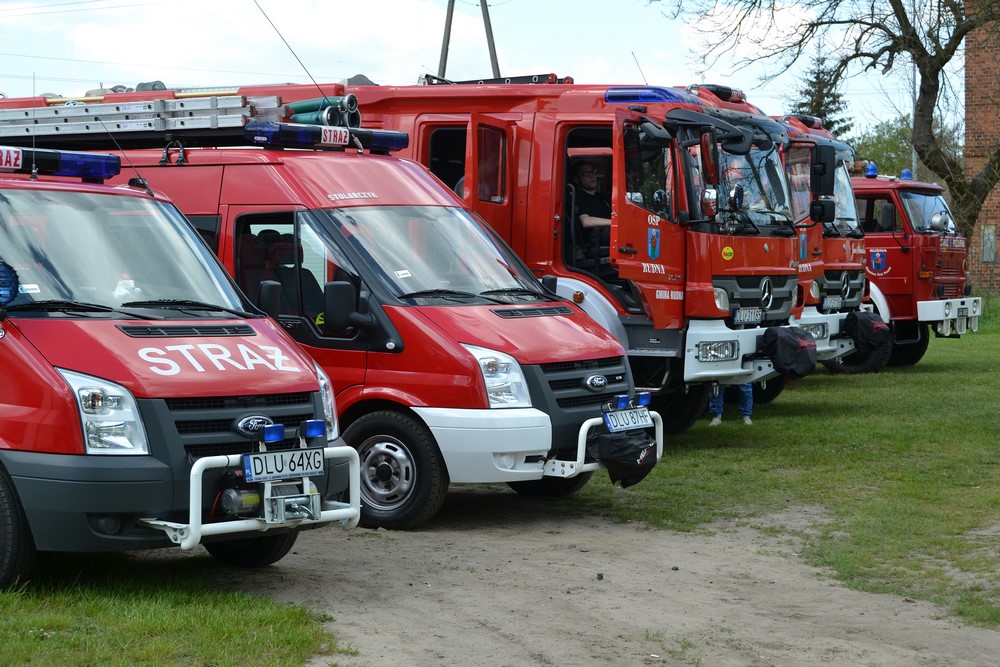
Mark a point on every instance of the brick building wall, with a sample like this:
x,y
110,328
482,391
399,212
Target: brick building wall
x,y
982,133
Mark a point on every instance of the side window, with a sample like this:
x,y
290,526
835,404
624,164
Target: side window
x,y
492,164
208,227
447,155
648,171
885,221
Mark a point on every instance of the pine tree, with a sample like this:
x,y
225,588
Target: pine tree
x,y
821,97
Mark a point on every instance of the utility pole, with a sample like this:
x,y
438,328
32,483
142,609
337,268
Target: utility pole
x,y
442,64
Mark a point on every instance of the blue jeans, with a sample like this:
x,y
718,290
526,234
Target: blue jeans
x,y
716,393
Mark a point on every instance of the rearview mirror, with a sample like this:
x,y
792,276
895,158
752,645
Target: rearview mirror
x,y
709,156
824,163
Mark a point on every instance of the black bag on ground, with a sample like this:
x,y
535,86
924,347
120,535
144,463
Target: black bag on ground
x,y
628,456
867,330
791,349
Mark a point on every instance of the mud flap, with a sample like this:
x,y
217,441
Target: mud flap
x,y
867,330
792,350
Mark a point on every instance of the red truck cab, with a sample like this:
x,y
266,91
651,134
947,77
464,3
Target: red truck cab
x,y
146,402
916,262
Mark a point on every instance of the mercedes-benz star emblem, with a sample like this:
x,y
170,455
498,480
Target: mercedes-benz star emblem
x,y
845,286
766,293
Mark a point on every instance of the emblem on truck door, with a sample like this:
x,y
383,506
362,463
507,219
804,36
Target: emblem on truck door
x,y
596,382
252,426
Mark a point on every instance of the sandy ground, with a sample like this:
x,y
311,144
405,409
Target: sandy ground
x,y
496,579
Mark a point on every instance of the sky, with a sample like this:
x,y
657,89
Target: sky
x,y
69,47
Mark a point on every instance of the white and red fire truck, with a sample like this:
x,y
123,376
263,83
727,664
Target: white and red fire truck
x,y
146,402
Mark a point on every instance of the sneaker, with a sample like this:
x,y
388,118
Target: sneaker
x,y
747,422
715,421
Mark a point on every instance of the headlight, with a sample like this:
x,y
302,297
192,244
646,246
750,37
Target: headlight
x,y
947,308
505,385
109,416
329,404
718,350
721,299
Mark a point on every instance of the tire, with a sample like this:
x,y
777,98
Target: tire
x,y
403,477
681,410
860,362
254,551
17,546
551,487
908,354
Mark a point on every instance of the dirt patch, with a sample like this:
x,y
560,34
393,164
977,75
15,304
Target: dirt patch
x,y
497,579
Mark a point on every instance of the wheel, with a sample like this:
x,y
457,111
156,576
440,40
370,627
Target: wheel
x,y
907,354
551,487
679,409
766,391
253,551
403,478
860,362
17,546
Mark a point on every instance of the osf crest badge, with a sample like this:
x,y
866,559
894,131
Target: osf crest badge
x,y
653,243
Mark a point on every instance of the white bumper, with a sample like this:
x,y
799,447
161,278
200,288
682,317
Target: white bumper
x,y
824,329
951,316
506,445
730,371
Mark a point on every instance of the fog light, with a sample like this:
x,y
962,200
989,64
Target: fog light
x,y
947,308
817,331
721,350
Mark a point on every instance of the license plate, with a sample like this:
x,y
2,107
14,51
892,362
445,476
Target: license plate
x,y
627,420
963,312
748,316
283,464
833,302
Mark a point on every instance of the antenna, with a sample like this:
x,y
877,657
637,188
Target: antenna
x,y
644,82
34,164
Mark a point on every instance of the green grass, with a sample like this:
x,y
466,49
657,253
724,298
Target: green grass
x,y
116,609
904,464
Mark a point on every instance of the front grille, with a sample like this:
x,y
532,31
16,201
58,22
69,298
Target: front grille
x,y
745,292
205,425
831,283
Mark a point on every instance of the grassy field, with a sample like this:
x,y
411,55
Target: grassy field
x,y
903,466
900,469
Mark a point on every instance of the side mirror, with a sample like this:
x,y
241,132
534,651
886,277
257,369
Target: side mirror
x,y
340,303
269,298
824,164
709,202
888,218
736,198
823,210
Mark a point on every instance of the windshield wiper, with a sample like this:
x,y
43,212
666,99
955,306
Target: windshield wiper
x,y
67,306
519,291
441,294
186,304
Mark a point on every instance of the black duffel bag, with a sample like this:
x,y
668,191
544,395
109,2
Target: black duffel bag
x,y
792,350
867,330
628,456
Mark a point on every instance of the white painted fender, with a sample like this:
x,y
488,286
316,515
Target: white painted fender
x,y
594,304
880,303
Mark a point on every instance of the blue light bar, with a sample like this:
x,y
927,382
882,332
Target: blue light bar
x,y
643,398
871,171
88,166
274,433
621,401
298,135
649,94
313,428
906,175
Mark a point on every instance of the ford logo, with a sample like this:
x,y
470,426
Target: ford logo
x,y
596,382
251,426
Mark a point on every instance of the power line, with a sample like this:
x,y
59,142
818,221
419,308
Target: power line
x,y
7,13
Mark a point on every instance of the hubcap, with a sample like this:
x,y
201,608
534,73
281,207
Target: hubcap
x,y
388,472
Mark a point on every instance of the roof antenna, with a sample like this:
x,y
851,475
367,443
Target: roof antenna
x,y
34,164
644,82
304,68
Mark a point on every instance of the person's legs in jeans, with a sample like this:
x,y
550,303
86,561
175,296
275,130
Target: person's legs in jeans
x,y
746,402
715,394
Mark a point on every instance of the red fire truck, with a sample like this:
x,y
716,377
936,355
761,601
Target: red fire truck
x,y
146,402
452,363
832,251
916,262
688,279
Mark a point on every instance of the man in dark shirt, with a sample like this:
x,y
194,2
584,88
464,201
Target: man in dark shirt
x,y
593,211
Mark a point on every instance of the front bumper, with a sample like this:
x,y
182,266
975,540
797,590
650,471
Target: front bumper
x,y
951,317
830,343
748,364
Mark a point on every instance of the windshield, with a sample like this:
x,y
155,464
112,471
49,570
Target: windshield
x,y
765,197
928,212
435,252
106,251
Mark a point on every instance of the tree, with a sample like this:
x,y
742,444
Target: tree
x,y
821,97
873,35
